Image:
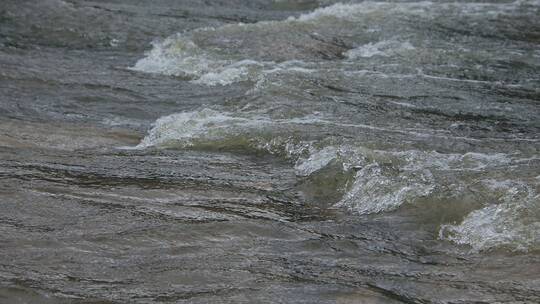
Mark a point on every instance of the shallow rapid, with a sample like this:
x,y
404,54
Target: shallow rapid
x,y
269,151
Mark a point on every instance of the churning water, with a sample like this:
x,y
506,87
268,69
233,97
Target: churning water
x,y
269,151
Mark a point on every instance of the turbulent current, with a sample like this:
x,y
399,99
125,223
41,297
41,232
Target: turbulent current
x,y
269,151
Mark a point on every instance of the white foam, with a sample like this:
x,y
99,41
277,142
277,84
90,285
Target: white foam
x,y
316,161
207,125
375,189
224,77
382,48
340,10
182,128
388,179
512,222
353,11
178,56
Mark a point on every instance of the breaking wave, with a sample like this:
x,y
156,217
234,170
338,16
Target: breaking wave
x,y
240,52
512,220
379,180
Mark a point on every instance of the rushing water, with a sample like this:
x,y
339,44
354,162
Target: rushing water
x,y
269,151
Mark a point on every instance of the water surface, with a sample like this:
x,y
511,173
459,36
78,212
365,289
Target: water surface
x,y
267,151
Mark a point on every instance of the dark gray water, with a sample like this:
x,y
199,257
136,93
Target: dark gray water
x,y
269,151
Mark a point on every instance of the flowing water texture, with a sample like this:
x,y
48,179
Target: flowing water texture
x,y
269,151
